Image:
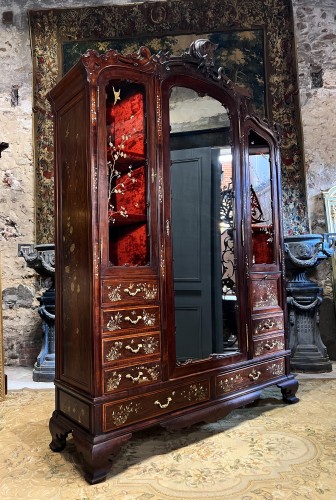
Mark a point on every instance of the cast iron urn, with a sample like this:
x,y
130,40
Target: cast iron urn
x,y
304,297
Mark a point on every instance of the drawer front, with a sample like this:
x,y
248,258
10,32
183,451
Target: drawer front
x,y
136,318
268,324
240,379
265,292
141,292
131,376
268,345
122,350
150,405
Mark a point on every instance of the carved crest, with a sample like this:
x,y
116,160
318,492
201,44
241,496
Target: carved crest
x,y
204,50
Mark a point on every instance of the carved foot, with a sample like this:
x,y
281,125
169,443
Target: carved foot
x,y
288,389
59,432
98,456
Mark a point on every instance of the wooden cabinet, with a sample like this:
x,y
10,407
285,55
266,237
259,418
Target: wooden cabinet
x,y
169,264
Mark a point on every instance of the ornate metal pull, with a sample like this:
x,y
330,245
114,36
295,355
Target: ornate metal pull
x,y
132,294
270,346
268,325
134,379
130,348
169,400
254,375
133,321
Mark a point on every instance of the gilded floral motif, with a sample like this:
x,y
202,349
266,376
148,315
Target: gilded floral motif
x,y
148,318
114,352
196,392
265,293
229,384
150,345
114,322
276,369
114,293
113,382
121,414
75,409
150,291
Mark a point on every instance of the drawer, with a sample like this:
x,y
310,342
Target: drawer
x,y
267,324
252,375
136,318
151,405
131,376
265,291
141,292
268,345
122,350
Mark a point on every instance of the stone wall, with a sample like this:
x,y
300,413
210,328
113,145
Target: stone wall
x,y
316,36
20,285
315,24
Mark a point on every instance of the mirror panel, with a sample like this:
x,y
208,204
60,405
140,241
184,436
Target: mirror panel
x,y
202,227
262,223
127,173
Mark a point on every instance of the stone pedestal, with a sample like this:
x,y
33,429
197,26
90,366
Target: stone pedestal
x,y
304,297
44,367
309,354
42,259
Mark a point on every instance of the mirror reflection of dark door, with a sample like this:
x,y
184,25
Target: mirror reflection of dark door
x,y
202,227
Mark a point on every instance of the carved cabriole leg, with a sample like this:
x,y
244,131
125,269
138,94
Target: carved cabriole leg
x,y
59,431
288,389
98,456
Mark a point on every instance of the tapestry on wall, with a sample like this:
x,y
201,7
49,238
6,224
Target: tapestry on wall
x,y
255,47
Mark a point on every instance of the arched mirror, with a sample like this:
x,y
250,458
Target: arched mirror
x,y
202,208
262,217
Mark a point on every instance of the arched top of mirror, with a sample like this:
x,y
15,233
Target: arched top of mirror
x,y
197,60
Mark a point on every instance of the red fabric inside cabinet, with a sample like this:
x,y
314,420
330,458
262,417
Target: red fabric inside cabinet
x,y
128,124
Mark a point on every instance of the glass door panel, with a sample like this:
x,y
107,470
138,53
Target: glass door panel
x,y
202,207
262,223
127,173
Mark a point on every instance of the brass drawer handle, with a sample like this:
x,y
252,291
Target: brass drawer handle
x,y
133,321
270,346
135,379
169,400
268,325
132,294
254,375
130,348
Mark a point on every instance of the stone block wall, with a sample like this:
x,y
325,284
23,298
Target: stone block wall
x,y
316,44
315,31
20,285
316,54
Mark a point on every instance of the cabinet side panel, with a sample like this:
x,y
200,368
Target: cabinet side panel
x,y
74,294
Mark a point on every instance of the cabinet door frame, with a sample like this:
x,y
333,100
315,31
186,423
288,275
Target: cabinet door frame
x,y
272,271
145,78
200,83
